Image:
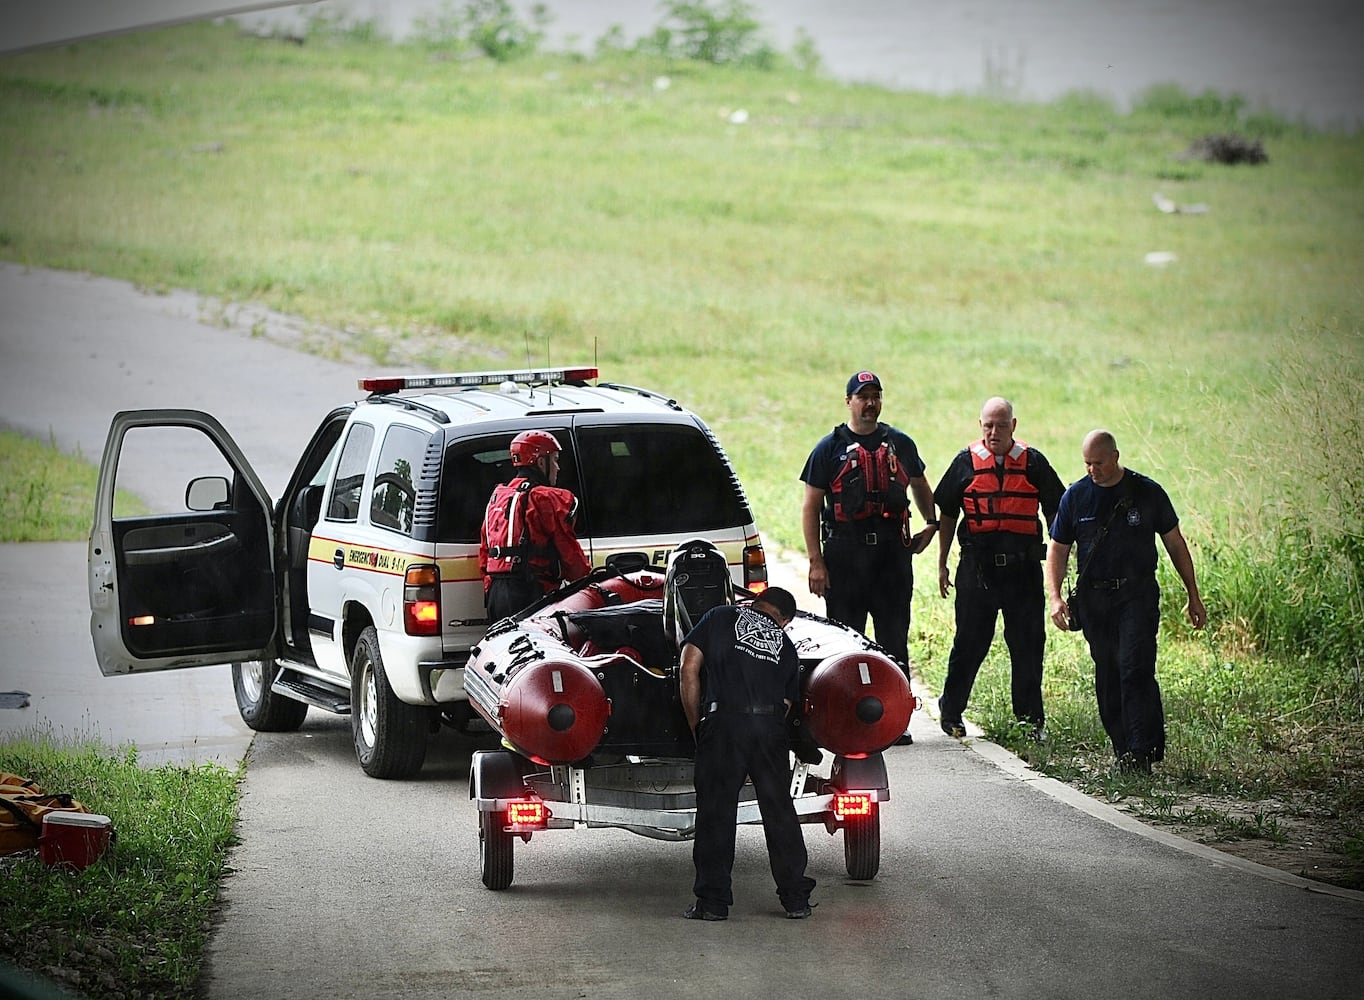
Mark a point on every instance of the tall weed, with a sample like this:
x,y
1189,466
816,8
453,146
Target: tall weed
x,y
1291,584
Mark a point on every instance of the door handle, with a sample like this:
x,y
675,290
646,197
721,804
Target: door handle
x,y
339,558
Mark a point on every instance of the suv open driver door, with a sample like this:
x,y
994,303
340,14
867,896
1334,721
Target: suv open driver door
x,y
192,584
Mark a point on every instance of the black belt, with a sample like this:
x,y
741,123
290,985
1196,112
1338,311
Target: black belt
x,y
1108,584
715,707
866,537
999,559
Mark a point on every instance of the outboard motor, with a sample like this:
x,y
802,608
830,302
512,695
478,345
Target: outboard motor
x,y
698,579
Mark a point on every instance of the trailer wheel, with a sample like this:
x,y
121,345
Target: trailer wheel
x,y
862,846
495,851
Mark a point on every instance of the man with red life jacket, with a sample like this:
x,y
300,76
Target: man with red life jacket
x,y
859,481
528,545
996,486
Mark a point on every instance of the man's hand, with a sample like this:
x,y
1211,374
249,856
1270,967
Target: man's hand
x,y
944,580
1198,615
819,577
920,541
1060,614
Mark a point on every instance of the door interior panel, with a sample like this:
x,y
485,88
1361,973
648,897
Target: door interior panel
x,y
192,582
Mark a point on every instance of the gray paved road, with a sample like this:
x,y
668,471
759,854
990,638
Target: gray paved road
x,y
345,887
74,350
351,888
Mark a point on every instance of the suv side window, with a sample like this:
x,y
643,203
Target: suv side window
x,y
654,479
350,473
395,490
473,467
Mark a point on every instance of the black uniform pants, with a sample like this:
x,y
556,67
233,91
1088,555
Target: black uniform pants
x,y
1121,626
509,594
875,580
729,747
984,593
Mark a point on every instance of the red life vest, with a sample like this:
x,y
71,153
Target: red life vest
x,y
870,483
1000,497
515,542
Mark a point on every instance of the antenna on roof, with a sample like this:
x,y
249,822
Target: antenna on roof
x,y
528,361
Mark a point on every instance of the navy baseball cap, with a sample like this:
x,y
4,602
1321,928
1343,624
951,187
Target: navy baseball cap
x,y
860,381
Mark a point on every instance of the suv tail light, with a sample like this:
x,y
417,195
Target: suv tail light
x,y
755,568
421,600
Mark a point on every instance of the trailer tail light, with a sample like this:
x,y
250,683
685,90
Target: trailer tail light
x,y
755,568
853,804
525,815
421,600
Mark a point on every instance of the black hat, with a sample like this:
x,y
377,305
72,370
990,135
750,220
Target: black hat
x,y
860,381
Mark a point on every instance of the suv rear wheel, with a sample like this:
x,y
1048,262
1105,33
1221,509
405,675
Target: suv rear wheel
x,y
390,735
260,708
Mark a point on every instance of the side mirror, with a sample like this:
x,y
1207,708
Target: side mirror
x,y
206,493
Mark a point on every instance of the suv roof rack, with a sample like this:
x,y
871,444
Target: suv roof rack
x,y
383,384
665,400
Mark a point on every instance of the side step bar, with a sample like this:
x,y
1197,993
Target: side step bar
x,y
330,699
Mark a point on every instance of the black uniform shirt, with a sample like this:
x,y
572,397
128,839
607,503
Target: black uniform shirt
x,y
749,660
1128,551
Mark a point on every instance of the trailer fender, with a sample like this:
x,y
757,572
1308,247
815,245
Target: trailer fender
x,y
860,774
495,774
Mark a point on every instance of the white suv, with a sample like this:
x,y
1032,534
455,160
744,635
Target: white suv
x,y
359,591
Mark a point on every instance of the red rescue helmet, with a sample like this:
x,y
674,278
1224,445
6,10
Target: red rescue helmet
x,y
529,447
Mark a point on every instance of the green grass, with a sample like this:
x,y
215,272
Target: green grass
x,y
482,211
46,495
135,922
462,214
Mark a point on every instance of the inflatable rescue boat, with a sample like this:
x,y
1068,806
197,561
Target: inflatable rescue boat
x,y
589,674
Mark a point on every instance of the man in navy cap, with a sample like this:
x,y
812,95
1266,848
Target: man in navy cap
x,y
859,481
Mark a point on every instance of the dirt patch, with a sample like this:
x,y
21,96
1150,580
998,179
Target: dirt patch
x,y
1294,837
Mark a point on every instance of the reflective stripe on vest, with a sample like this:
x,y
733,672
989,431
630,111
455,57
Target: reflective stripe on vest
x,y
999,497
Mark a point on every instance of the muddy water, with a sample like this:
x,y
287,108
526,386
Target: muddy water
x,y
1298,57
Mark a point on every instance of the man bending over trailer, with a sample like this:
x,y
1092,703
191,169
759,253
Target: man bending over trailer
x,y
739,677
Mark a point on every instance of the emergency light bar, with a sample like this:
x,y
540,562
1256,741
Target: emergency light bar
x,y
455,380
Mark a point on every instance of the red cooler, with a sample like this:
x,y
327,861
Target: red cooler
x,y
74,839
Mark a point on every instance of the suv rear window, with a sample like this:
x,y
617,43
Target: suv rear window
x,y
645,479
473,468
654,479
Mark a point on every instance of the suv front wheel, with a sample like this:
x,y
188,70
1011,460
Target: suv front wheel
x,y
390,735
260,708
